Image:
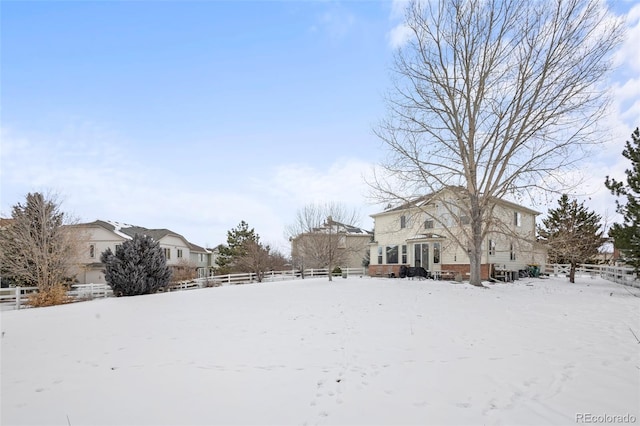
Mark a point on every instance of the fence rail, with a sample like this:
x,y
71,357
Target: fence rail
x,y
618,274
16,297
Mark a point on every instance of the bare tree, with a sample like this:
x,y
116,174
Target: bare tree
x,y
183,270
492,98
36,248
318,236
255,258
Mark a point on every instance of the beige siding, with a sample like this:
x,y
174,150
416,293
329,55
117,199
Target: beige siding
x,y
389,231
173,244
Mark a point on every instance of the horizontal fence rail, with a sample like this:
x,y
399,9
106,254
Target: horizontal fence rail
x,y
17,297
618,274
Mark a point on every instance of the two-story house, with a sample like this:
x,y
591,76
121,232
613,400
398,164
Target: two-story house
x,y
346,244
425,233
100,235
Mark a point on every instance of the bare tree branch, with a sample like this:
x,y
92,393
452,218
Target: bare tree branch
x,y
491,99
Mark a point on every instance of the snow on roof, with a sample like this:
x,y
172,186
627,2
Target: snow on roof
x,y
117,228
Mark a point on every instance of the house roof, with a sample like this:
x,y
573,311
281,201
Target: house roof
x,y
342,228
425,199
128,231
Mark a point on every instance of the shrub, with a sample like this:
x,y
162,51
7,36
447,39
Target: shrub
x,y
137,267
55,295
337,271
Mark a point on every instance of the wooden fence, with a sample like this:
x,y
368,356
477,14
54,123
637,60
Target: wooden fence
x,y
16,297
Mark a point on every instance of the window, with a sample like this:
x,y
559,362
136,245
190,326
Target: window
x,y
492,248
512,249
404,254
201,257
379,255
92,251
179,255
403,221
436,252
421,255
342,241
392,254
118,247
465,220
428,224
517,218
167,253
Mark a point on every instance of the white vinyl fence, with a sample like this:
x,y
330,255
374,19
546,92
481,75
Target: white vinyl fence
x,y
618,274
16,297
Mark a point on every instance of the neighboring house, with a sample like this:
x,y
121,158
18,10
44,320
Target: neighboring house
x,y
101,235
408,235
349,246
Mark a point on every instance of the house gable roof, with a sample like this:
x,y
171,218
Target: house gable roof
x,y
128,231
341,228
423,200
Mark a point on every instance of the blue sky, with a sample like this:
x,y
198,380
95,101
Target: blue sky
x,y
196,115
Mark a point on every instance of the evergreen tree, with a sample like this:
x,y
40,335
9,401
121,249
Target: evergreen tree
x,y
573,234
627,235
236,247
137,267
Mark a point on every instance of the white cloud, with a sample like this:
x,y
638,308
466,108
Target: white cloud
x,y
101,180
399,36
337,22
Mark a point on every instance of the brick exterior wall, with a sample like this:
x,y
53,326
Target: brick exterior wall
x,y
463,270
383,270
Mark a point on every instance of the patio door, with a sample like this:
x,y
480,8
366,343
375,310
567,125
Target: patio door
x,y
421,255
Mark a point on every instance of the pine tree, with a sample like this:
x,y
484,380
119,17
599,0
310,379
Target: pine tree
x,y
137,267
573,234
627,235
236,247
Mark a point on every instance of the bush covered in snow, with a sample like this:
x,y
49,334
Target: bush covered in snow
x,y
137,267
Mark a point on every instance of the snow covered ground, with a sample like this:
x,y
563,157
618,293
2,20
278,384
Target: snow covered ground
x,y
355,351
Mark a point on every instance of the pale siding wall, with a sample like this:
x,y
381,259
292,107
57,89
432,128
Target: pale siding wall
x,y
100,239
195,258
356,246
522,240
388,232
174,244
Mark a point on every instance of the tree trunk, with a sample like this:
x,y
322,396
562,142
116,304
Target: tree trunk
x,y
475,261
475,256
572,273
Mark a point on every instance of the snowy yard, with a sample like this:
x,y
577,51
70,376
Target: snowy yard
x,y
355,351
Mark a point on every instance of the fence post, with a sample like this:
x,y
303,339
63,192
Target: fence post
x,y
18,291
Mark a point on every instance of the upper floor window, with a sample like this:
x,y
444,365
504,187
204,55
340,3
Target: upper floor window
x,y
403,221
379,255
92,251
465,220
167,253
492,247
201,257
512,250
118,247
342,241
179,254
517,218
428,224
